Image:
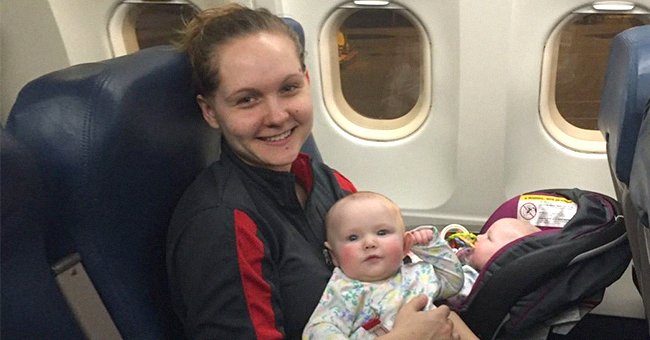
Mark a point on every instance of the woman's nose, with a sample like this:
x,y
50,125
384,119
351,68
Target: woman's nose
x,y
276,112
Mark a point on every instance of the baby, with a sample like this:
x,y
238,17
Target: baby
x,y
477,254
502,232
367,241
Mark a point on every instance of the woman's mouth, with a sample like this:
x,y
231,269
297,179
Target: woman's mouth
x,y
279,137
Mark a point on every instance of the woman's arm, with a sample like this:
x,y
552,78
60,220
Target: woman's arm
x,y
219,293
412,322
461,327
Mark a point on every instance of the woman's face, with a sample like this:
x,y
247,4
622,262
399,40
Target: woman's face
x,y
263,104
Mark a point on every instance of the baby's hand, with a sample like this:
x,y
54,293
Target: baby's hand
x,y
419,236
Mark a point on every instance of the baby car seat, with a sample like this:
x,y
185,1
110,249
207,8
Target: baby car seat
x,y
581,249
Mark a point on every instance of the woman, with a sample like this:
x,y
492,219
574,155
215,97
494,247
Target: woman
x,y
244,250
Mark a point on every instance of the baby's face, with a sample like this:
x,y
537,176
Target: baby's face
x,y
367,243
502,232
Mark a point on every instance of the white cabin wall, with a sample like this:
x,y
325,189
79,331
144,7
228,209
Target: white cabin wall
x,y
399,168
483,142
482,98
41,36
30,46
546,163
443,173
274,6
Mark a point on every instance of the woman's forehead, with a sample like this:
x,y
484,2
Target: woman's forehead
x,y
256,58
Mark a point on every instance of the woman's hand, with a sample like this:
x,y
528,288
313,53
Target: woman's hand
x,y
412,322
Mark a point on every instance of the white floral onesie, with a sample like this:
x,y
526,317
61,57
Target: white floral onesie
x,y
352,309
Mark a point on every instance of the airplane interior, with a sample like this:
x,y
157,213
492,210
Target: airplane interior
x,y
450,107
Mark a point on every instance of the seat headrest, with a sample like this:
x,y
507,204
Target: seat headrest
x,y
625,93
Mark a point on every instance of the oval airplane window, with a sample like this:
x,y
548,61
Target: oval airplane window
x,y
376,71
140,24
574,65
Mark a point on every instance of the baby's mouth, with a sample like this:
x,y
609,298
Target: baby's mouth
x,y
372,258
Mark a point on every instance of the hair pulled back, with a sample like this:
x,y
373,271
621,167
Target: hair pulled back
x,y
214,27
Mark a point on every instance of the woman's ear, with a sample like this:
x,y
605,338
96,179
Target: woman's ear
x,y
209,115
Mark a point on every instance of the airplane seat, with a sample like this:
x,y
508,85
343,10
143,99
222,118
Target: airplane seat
x,y
117,142
640,202
626,91
33,307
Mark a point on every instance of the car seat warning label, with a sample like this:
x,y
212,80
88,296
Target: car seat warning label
x,y
546,211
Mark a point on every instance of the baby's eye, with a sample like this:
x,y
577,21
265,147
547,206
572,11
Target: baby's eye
x,y
353,238
382,232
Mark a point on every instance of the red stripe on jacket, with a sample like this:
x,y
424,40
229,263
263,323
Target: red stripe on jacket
x,y
344,183
257,292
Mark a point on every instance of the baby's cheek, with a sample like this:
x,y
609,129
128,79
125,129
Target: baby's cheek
x,y
475,257
347,256
396,252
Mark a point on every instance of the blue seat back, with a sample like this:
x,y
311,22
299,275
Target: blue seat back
x,y
32,304
637,210
640,175
625,93
117,142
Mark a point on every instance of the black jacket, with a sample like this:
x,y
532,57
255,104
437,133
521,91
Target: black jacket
x,y
244,258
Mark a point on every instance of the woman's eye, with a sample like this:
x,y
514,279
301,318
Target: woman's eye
x,y
245,100
289,88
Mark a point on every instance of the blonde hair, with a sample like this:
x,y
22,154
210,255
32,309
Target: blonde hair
x,y
359,195
214,27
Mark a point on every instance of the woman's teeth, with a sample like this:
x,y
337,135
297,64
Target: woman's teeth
x,y
278,137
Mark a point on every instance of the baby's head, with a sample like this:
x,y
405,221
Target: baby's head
x,y
365,236
500,233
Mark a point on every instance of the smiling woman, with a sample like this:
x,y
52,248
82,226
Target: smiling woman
x,y
262,105
241,226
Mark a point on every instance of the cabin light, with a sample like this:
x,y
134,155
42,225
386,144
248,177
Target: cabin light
x,y
613,6
371,3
